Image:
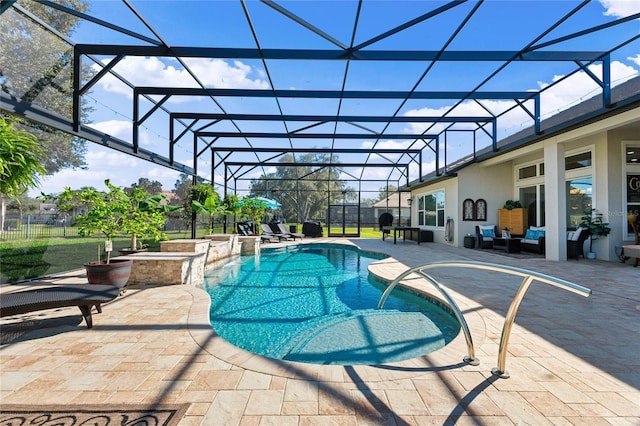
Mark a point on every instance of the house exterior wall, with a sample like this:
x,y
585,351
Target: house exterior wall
x,y
450,188
494,184
494,180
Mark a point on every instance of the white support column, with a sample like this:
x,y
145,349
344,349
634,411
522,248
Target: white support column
x,y
555,200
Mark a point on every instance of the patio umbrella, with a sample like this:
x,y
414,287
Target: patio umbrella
x,y
272,204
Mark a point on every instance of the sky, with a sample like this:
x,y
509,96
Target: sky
x,y
226,26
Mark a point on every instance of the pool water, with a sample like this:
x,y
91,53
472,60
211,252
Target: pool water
x,y
315,303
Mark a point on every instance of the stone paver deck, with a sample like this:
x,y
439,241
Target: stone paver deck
x,y
573,360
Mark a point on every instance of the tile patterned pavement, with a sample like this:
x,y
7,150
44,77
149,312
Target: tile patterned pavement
x,y
572,360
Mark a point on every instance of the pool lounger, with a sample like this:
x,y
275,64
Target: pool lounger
x,y
84,296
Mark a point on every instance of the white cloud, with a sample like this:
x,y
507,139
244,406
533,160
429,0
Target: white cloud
x,y
122,130
580,87
620,8
386,144
635,59
216,73
220,74
110,158
563,95
105,163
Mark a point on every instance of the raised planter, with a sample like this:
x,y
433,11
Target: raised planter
x,y
128,251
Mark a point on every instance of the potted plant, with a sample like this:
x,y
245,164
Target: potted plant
x,y
512,204
594,224
113,212
145,218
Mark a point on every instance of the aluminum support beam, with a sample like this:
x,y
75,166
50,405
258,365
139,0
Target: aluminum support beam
x,y
340,54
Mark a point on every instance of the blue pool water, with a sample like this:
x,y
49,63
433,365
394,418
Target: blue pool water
x,y
315,303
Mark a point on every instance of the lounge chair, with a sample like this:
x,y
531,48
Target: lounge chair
x,y
84,296
266,231
284,231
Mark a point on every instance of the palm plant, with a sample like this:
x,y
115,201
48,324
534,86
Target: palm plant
x,y
210,206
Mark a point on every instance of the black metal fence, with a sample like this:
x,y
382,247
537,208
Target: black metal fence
x,y
33,225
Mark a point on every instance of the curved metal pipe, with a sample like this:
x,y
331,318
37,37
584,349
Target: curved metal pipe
x,y
528,278
471,357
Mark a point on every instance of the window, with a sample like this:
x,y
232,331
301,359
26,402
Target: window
x,y
530,171
632,187
579,199
527,172
579,185
578,161
431,209
530,191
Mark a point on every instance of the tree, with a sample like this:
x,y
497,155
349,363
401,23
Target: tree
x,y
302,190
386,190
37,68
152,187
20,164
254,210
181,190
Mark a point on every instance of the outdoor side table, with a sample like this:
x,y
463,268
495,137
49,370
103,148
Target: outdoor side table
x,y
510,245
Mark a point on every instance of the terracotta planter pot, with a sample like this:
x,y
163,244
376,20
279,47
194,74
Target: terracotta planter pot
x,y
115,273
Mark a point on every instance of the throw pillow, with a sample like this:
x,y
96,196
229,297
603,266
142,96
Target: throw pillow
x,y
488,233
531,235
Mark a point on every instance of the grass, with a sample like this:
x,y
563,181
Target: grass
x,y
21,260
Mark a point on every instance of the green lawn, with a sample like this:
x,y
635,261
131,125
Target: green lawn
x,y
20,260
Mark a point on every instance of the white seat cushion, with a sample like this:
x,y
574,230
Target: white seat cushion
x,y
576,234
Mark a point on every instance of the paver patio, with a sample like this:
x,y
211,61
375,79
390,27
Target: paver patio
x,y
572,360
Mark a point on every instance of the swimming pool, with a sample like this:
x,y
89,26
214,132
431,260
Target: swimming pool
x,y
315,303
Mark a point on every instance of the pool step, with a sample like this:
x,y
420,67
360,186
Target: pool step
x,y
362,335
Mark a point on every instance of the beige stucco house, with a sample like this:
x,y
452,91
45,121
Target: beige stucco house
x,y
584,157
397,204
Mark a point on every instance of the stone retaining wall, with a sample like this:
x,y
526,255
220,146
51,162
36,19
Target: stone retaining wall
x,y
184,261
168,268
